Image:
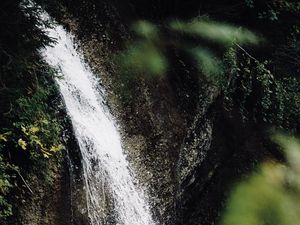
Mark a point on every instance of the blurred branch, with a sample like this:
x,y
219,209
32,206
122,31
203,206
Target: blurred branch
x,y
26,184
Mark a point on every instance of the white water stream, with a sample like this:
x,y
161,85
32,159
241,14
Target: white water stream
x,y
105,166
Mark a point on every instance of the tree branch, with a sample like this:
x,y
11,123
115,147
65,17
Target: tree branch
x,y
247,53
26,184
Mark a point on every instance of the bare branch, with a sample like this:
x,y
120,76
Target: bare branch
x,y
248,54
26,184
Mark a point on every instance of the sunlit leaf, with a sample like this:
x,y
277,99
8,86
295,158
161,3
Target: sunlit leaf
x,y
146,29
56,148
22,144
33,130
24,129
4,136
217,32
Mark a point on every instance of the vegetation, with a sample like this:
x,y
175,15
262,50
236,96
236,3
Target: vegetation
x,y
249,86
270,195
260,86
30,128
255,71
261,97
146,54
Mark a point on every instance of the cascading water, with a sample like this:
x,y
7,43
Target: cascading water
x,y
103,159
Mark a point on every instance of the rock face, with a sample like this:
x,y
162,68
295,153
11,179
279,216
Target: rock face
x,y
49,203
153,126
185,149
166,128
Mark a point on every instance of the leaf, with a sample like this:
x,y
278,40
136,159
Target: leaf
x,y
144,57
146,29
22,144
34,130
24,130
4,136
45,153
220,33
270,196
209,65
291,146
38,142
56,148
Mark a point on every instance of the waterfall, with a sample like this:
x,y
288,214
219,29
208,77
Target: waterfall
x,y
104,162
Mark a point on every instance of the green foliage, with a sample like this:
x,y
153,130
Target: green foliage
x,y
7,179
30,124
28,94
6,183
148,54
249,3
264,91
219,33
34,125
260,96
273,10
143,58
248,85
209,65
146,30
38,129
270,196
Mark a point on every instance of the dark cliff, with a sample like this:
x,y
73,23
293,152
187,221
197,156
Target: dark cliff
x,y
187,146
